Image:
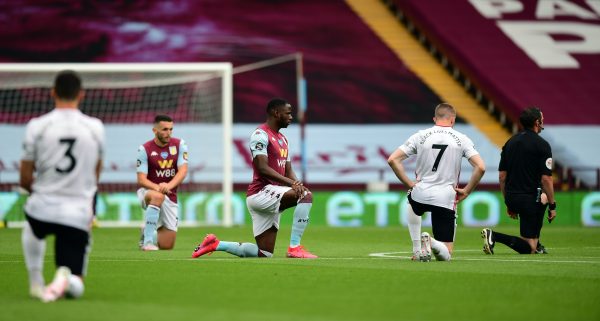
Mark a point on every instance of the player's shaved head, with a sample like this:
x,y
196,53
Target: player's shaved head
x,y
445,111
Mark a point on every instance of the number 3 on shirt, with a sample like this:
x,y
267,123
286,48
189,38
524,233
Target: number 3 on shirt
x,y
68,154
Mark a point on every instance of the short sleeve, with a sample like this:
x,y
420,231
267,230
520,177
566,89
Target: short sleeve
x,y
258,143
101,139
469,148
142,160
183,153
410,146
545,158
29,142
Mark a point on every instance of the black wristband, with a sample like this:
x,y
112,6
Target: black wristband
x,y
552,207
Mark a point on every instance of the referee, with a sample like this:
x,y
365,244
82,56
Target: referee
x,y
525,174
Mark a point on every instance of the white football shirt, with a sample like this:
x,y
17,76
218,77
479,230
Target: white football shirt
x,y
65,146
439,151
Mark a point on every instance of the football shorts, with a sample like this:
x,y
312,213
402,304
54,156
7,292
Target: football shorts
x,y
168,216
264,207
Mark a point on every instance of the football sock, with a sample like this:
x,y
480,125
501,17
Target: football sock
x,y
238,249
151,215
440,251
34,250
414,228
75,289
516,243
300,222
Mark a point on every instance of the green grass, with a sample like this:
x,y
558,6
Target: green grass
x,y
344,284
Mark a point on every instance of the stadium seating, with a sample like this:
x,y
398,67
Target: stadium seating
x,y
501,68
352,77
500,58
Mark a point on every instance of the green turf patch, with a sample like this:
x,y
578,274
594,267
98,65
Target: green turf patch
x,y
363,274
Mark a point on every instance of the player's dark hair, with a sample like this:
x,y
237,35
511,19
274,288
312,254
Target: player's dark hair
x,y
275,103
160,118
529,116
67,85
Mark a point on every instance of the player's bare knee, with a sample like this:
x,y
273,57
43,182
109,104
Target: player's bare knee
x,y
155,198
264,254
166,246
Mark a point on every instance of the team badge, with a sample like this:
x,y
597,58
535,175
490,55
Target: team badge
x,y
164,155
185,155
280,142
173,150
549,163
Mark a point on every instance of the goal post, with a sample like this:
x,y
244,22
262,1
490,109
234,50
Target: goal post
x,y
127,96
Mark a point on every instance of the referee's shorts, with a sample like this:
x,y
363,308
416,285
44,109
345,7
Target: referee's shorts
x,y
531,213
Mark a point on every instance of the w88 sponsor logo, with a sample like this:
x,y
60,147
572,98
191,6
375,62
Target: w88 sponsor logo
x,y
281,162
165,173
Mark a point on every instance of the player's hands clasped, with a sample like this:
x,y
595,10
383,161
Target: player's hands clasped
x,y
164,188
299,189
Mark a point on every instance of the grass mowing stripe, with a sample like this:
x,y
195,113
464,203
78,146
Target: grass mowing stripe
x,y
345,284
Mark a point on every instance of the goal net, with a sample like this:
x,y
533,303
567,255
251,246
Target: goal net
x,y
127,97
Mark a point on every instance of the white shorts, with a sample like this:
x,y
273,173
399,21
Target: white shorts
x,y
168,215
264,208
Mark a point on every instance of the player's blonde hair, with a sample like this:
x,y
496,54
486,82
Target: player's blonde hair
x,y
444,110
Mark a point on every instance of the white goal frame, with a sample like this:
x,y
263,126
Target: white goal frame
x,y
224,69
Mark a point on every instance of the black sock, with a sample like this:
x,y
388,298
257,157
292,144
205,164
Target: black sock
x,y
516,243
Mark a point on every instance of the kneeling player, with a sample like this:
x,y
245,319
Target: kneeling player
x,y
274,189
161,167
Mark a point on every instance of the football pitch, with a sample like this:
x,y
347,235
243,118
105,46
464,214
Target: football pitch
x,y
362,274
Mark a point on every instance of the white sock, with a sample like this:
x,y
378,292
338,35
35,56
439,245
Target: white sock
x,y
33,250
414,228
301,213
76,288
440,251
151,215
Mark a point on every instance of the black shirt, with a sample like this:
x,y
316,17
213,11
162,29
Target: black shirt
x,y
525,157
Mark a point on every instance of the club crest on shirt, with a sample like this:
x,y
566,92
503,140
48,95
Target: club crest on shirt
x,y
173,150
164,155
280,141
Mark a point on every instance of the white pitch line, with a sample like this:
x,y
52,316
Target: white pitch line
x,y
390,255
